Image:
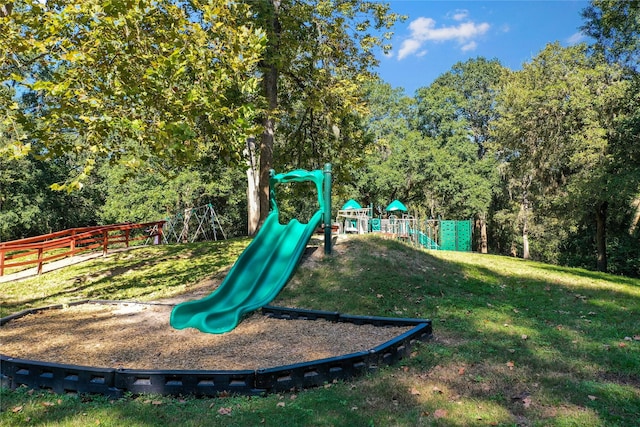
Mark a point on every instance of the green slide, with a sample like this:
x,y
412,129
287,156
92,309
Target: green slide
x,y
259,274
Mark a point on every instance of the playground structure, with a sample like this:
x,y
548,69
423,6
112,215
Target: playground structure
x,y
430,234
265,266
193,225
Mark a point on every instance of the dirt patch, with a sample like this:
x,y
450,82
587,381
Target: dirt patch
x,y
139,336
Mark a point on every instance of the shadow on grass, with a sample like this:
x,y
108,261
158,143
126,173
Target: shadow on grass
x,y
542,345
594,275
140,274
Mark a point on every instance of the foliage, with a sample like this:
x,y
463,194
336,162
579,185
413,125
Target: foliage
x,y
461,101
144,83
318,56
615,25
456,111
28,207
556,133
515,342
153,196
429,152
382,179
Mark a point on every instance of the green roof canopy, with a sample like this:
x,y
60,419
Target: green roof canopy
x,y
351,204
396,205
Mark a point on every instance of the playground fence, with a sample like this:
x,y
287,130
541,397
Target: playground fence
x,y
48,247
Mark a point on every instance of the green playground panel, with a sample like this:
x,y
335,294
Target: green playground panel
x,y
455,235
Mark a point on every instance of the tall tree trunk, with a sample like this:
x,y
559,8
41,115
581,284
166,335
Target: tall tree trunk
x,y
270,88
253,202
524,211
481,226
184,235
266,142
525,242
525,227
601,235
635,222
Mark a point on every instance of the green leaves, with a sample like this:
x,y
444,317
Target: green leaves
x,y
615,25
557,134
137,77
323,52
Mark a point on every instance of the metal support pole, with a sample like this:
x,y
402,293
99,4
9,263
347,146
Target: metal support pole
x,y
327,208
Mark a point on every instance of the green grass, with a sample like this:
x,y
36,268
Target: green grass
x,y
144,274
515,342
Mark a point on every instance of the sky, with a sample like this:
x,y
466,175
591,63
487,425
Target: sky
x,y
437,34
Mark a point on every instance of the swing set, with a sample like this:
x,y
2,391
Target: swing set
x,y
193,225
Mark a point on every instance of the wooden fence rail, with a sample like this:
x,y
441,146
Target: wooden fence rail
x,y
70,242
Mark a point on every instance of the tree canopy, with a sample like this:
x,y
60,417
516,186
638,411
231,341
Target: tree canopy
x,y
142,83
319,54
615,25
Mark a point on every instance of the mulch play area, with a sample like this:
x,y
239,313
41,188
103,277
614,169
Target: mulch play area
x,y
139,336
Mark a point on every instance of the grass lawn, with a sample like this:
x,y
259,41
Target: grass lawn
x,y
515,342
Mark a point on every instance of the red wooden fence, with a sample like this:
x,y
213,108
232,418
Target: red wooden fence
x,y
74,240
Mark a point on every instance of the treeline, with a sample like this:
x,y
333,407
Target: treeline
x,y
29,207
148,111
544,160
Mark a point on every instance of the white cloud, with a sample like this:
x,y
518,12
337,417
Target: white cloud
x,y
408,47
469,46
424,30
459,15
576,38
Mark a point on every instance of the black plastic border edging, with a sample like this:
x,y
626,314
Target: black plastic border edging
x,y
62,378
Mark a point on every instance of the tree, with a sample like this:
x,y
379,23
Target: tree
x,y
458,108
615,25
437,172
319,53
143,83
154,83
153,196
556,132
464,97
28,207
380,179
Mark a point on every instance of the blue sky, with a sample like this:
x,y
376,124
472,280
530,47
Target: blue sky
x,y
438,34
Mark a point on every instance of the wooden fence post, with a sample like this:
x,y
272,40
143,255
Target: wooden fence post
x,y
1,262
39,261
105,241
